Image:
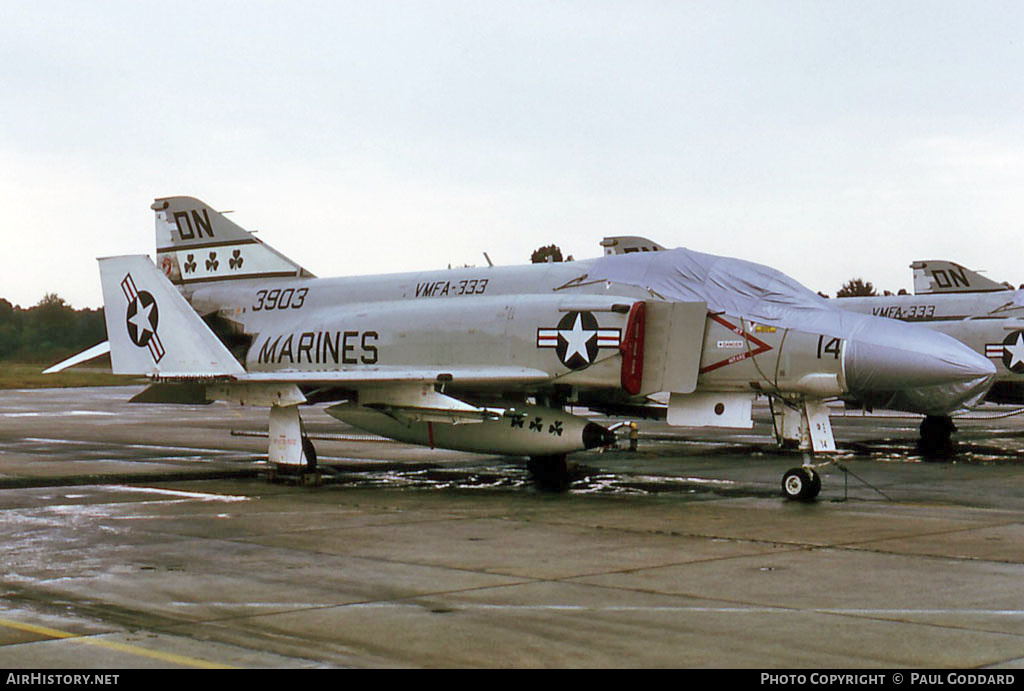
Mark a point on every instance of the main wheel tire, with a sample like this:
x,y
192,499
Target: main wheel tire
x,y
550,472
936,437
801,484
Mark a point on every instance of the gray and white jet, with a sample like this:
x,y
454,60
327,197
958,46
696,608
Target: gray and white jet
x,y
487,359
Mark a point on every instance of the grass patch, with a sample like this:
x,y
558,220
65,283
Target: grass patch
x,y
25,375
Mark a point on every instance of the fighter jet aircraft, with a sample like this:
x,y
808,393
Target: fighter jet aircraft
x,y
487,359
985,315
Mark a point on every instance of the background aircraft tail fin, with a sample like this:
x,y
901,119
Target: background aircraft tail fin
x,y
196,244
938,276
627,244
152,330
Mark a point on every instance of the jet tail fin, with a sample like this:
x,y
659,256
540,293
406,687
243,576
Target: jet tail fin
x,y
196,244
152,330
933,276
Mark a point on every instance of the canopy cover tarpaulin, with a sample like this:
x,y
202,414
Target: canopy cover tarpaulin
x,y
875,348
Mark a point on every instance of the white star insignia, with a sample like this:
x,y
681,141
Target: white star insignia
x,y
576,340
1016,351
141,317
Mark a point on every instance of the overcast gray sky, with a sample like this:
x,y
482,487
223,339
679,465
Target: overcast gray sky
x,y
826,139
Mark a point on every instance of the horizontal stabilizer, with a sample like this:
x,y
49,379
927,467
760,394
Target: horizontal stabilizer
x,y
91,354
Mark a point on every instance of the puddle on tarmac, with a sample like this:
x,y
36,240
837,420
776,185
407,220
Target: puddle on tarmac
x,y
581,479
589,478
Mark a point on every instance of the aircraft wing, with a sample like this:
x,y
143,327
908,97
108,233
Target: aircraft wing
x,y
407,394
472,376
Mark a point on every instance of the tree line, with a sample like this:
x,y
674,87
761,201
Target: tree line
x,y
49,331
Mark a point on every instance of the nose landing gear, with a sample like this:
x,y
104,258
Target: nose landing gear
x,y
803,424
801,484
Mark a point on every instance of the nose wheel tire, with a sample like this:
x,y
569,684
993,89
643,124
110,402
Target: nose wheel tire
x,y
801,484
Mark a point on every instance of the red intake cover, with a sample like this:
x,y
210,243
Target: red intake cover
x,y
632,349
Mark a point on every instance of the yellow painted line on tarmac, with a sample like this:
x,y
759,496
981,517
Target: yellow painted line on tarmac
x,y
113,645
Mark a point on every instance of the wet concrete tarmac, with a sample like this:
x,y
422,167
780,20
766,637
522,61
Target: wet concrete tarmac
x,y
149,536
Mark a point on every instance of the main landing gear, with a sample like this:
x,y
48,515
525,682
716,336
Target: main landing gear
x,y
550,472
309,452
936,436
291,453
